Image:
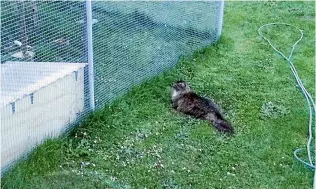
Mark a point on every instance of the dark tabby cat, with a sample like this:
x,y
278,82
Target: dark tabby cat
x,y
186,101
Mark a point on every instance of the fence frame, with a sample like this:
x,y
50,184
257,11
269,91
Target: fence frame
x,y
90,54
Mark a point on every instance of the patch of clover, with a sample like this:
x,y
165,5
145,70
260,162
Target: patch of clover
x,y
273,110
170,184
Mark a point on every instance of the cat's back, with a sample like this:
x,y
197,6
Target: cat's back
x,y
190,97
192,100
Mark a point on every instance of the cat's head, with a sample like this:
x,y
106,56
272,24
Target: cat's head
x,y
180,87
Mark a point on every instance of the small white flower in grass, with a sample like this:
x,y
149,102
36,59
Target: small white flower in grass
x,y
232,174
113,178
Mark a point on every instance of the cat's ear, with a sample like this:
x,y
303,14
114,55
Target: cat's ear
x,y
183,84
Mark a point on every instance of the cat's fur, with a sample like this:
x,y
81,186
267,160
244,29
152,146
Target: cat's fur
x,y
186,101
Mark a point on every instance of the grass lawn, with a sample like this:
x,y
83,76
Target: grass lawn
x,y
139,142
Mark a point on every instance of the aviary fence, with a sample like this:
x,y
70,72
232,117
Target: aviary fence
x,y
63,59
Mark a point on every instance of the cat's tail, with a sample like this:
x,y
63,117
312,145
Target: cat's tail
x,y
221,125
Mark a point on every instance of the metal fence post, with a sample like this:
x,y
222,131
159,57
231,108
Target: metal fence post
x,y
90,54
220,19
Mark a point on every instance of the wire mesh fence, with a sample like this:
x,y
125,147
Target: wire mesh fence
x,y
136,40
43,65
44,58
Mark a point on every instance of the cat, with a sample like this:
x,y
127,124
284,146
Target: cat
x,y
184,100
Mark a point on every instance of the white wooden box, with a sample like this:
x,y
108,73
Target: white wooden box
x,y
38,100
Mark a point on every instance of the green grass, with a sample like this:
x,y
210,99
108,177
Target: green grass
x,y
139,142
